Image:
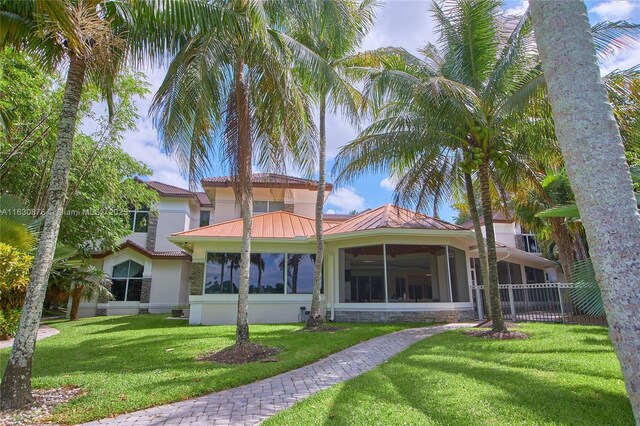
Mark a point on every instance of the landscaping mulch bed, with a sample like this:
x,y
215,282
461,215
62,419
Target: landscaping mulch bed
x,y
490,334
489,324
242,354
40,411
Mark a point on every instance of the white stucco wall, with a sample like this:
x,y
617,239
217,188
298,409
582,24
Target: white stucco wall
x,y
174,215
263,308
167,284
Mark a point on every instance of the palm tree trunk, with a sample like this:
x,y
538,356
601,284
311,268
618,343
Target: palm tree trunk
x,y
246,197
315,316
15,390
76,297
565,245
579,246
482,254
595,161
492,258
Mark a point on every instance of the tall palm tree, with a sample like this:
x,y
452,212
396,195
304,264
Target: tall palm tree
x,y
234,92
446,113
82,35
332,30
92,39
595,161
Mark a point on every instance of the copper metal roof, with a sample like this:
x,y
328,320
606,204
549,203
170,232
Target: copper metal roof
x,y
279,224
283,224
390,216
266,180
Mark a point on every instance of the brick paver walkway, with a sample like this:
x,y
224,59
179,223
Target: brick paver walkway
x,y
254,402
43,332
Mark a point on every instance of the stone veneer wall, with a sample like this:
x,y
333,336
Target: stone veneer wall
x,y
196,279
288,208
519,242
145,294
437,316
152,231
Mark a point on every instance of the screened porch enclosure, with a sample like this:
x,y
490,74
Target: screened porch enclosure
x,y
399,273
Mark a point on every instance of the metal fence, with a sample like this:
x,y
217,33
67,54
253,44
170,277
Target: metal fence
x,y
547,302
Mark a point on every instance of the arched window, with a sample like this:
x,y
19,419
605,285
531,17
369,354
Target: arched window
x,y
127,281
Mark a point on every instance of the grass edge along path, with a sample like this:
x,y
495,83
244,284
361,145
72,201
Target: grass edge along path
x,y
129,363
561,375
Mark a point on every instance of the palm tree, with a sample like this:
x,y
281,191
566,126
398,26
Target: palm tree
x,y
93,39
79,281
595,161
235,90
54,32
332,30
449,112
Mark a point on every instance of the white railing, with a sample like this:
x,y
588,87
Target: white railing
x,y
546,302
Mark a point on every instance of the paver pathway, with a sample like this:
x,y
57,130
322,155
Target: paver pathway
x,y
254,402
43,332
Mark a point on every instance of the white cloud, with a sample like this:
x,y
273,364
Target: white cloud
x,y
615,10
517,9
389,183
343,200
330,211
623,60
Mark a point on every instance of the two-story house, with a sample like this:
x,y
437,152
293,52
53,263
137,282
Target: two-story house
x,y
383,264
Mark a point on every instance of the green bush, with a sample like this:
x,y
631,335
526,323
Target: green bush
x,y
9,323
15,266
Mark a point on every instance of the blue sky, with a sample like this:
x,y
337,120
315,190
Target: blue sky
x,y
400,23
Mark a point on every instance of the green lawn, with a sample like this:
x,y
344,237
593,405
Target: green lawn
x,y
125,364
562,375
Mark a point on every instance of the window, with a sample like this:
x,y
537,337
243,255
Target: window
x,y
205,217
266,274
222,273
411,273
139,219
300,269
267,206
127,281
534,275
365,281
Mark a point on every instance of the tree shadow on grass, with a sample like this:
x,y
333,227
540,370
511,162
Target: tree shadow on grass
x,y
496,391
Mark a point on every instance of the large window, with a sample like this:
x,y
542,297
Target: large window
x,y
413,273
139,219
222,273
300,273
364,275
267,273
267,206
127,281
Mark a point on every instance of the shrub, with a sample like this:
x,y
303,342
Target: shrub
x,y
14,280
